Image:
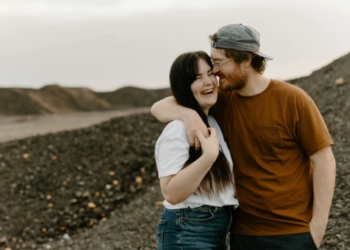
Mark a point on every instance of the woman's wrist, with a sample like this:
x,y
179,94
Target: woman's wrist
x,y
210,157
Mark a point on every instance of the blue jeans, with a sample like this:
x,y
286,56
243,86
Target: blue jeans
x,y
200,228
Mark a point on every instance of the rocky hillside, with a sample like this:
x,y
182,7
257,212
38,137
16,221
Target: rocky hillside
x,y
57,99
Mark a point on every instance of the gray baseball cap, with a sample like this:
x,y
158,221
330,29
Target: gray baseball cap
x,y
239,37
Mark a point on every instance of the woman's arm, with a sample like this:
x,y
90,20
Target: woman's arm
x,y
177,188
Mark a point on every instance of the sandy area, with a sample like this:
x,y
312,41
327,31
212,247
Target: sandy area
x,y
18,127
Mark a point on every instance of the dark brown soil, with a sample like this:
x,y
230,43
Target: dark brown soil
x,y
61,183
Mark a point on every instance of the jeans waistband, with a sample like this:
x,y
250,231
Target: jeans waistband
x,y
204,207
207,207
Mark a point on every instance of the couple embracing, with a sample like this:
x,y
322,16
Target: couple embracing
x,y
249,155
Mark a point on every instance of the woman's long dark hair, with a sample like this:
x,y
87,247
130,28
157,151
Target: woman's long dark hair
x,y
183,73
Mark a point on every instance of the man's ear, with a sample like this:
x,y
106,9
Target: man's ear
x,y
246,63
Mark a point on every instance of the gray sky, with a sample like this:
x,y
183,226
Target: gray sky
x,y
108,44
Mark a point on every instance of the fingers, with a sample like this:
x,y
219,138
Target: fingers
x,y
191,139
199,136
199,139
197,144
205,132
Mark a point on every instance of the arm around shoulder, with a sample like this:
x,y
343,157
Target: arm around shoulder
x,y
167,110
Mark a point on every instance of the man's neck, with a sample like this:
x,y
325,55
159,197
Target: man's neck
x,y
256,84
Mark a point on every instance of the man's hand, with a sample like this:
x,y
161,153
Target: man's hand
x,y
317,232
167,110
193,123
210,145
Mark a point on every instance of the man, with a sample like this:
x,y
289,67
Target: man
x,y
283,163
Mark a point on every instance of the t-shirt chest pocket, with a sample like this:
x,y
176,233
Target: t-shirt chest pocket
x,y
268,140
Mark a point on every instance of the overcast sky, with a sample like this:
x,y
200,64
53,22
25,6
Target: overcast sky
x,y
108,44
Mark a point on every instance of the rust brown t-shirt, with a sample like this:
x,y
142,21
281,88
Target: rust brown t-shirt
x,y
271,137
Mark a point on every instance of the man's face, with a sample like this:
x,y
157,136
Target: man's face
x,y
230,73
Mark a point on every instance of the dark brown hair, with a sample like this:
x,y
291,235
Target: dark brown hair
x,y
183,73
258,62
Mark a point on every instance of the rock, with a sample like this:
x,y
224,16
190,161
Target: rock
x,y
339,81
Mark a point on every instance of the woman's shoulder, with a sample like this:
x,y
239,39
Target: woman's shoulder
x,y
173,129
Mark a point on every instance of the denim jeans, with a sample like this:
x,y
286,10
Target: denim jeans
x,y
301,241
200,228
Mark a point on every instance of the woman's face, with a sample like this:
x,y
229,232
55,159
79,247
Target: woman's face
x,y
204,88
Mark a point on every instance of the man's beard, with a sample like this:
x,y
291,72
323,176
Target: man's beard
x,y
238,82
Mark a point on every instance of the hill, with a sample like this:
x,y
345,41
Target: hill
x,y
57,99
128,97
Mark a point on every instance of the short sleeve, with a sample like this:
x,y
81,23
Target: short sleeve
x,y
172,149
312,130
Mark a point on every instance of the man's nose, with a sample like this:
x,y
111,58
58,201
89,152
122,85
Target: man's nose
x,y
215,69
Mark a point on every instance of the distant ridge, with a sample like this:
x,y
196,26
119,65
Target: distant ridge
x,y
58,99
133,97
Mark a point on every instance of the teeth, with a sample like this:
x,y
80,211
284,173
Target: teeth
x,y
208,91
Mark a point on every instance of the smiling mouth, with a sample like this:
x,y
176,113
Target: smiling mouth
x,y
208,92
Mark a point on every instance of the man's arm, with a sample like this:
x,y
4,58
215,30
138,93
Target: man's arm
x,y
167,110
324,182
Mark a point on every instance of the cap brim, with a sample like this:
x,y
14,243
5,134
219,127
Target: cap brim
x,y
263,55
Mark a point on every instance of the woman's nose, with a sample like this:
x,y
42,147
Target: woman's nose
x,y
207,80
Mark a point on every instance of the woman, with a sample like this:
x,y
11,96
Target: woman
x,y
197,186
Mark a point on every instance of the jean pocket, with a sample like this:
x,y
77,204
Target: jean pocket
x,y
197,214
160,234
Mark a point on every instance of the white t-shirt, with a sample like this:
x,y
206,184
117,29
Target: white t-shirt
x,y
171,153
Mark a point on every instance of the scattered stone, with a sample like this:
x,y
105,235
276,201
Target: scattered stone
x,y
91,205
339,81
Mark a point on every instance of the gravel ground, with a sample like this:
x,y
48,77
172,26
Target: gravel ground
x,y
65,182
131,227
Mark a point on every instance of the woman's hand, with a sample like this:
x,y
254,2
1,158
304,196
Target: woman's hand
x,y
192,123
210,145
